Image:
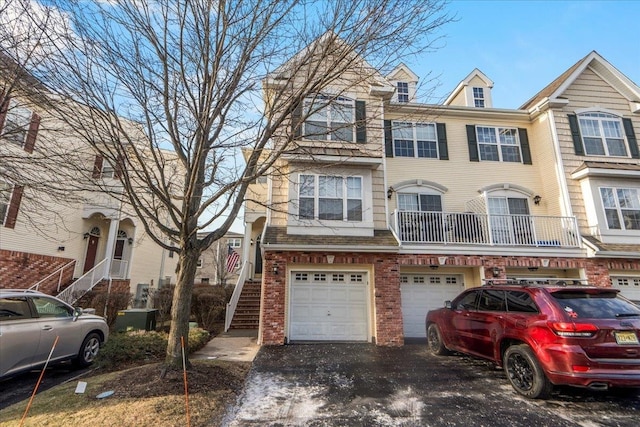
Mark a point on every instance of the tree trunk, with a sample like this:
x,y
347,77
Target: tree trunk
x,y
181,308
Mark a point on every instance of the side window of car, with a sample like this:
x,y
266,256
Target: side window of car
x,y
14,308
467,302
520,302
492,300
48,307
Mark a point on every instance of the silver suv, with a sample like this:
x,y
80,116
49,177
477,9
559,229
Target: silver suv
x,y
29,324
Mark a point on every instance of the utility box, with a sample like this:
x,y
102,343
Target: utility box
x,y
136,319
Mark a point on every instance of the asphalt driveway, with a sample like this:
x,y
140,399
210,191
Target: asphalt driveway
x,y
365,385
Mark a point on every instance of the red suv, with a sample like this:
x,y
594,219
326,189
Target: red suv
x,y
544,334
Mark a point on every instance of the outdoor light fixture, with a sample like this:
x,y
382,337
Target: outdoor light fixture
x,y
389,192
433,267
496,271
537,199
533,268
275,270
86,235
61,248
130,240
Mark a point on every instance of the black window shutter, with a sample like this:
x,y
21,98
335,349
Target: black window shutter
x,y
361,122
3,109
631,137
388,139
473,144
296,126
97,166
575,134
524,145
14,206
32,134
443,150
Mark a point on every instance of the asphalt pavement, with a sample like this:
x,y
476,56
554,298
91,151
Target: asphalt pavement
x,y
365,385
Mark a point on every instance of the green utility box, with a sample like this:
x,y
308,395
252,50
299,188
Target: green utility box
x,y
136,319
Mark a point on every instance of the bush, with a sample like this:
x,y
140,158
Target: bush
x,y
208,305
162,300
115,302
144,347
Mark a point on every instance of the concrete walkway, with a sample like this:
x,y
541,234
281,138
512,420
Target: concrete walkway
x,y
237,345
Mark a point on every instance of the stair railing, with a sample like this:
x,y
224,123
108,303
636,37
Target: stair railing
x,y
85,283
233,302
59,272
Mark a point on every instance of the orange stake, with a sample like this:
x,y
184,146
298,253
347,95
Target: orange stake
x,y
186,390
35,390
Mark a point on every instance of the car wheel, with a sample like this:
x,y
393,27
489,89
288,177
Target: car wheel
x,y
434,340
88,350
525,374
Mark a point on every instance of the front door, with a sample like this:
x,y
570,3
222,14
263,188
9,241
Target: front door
x,y
92,249
258,269
510,221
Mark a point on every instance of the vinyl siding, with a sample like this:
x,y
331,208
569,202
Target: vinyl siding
x,y
589,91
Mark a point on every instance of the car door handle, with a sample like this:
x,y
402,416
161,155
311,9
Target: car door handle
x,y
47,328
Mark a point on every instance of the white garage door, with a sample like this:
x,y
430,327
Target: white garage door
x,y
328,306
421,293
629,287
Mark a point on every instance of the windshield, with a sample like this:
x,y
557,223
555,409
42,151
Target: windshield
x,y
595,305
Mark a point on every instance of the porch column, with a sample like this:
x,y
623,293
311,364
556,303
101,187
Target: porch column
x,y
111,242
246,245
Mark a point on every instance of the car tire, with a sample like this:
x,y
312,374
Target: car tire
x,y
525,373
434,340
88,350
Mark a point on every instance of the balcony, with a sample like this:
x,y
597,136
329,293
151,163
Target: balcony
x,y
457,228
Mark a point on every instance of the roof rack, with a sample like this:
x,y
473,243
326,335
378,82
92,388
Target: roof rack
x,y
537,281
24,291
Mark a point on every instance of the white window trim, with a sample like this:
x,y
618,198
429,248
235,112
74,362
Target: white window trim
x,y
616,118
478,98
14,111
394,124
332,100
619,210
345,197
234,242
498,143
407,93
10,188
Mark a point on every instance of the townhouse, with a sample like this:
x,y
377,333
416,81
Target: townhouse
x,y
387,206
52,236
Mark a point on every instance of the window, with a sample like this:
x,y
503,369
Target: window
x,y
621,208
329,119
330,198
492,301
510,221
498,144
478,97
234,243
420,202
602,134
14,308
520,302
415,140
48,307
403,91
467,302
16,123
5,198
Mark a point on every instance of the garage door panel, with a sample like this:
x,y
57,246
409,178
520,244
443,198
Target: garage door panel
x,y
324,309
420,296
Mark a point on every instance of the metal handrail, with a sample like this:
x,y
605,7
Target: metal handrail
x,y
60,270
85,283
233,302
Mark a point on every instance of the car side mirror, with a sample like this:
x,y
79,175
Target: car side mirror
x,y
77,312
447,304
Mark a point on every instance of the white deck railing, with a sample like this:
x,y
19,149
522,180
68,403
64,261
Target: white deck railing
x,y
59,272
233,302
85,283
483,229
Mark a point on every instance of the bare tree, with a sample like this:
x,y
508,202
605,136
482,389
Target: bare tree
x,y
169,92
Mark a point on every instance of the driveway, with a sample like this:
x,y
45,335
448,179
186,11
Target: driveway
x,y
365,385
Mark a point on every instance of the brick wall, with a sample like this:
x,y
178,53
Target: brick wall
x,y
388,321
20,270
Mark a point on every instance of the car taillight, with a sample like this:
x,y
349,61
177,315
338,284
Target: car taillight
x,y
573,330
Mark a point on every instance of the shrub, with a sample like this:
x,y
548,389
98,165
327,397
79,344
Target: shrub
x,y
162,300
208,305
115,302
144,347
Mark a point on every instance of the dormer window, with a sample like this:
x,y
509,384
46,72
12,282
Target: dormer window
x,y
403,91
478,97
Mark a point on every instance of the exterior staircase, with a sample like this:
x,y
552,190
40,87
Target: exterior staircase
x,y
247,313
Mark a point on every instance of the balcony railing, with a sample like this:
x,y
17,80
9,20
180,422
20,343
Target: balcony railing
x,y
119,268
483,229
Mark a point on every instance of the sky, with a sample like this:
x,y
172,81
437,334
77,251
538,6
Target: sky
x,y
524,45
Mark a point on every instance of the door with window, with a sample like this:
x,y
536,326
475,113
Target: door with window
x,y
420,217
510,221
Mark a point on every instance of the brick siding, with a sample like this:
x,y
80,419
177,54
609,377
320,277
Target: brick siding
x,y
20,270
